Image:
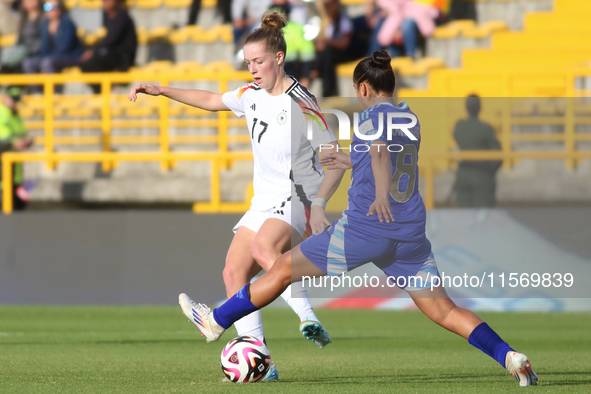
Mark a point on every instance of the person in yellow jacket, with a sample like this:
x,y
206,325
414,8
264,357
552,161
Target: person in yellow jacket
x,y
13,137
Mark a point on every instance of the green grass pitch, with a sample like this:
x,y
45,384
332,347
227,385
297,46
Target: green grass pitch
x,y
155,350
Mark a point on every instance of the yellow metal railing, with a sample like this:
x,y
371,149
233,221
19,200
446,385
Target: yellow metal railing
x,y
427,165
216,159
437,130
106,122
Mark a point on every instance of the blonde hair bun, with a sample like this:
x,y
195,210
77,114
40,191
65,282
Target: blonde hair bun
x,y
273,20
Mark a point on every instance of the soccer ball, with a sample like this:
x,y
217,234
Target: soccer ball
x,y
245,360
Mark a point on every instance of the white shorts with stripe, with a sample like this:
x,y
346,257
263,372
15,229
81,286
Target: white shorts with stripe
x,y
289,210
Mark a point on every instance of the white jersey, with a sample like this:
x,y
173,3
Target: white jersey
x,y
285,160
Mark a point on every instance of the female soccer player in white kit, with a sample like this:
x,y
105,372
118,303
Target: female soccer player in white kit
x,y
285,165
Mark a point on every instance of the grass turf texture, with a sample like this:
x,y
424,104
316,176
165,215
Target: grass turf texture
x,y
154,349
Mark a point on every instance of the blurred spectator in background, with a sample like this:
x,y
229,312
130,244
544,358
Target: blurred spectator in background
x,y
462,9
194,12
300,52
29,37
116,51
333,47
13,137
224,9
60,46
8,22
475,180
246,16
398,24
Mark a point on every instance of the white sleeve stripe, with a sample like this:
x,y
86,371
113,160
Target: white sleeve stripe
x,y
301,97
309,99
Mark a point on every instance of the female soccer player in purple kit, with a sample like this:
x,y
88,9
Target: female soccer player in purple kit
x,y
384,223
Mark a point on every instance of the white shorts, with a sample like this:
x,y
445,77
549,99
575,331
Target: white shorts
x,y
290,211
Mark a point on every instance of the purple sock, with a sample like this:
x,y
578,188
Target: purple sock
x,y
238,306
484,338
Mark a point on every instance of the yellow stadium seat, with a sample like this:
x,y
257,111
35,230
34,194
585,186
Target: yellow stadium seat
x,y
81,32
8,40
158,33
209,3
541,40
26,112
549,21
195,112
177,3
142,35
346,69
157,67
179,36
82,112
198,34
148,3
453,29
139,111
94,37
224,33
90,4
72,70
523,107
187,67
583,106
565,6
71,4
485,29
175,109
219,67
522,58
398,62
421,67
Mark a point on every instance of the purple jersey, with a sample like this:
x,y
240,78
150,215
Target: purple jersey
x,y
405,201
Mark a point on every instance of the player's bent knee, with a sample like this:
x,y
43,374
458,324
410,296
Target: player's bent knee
x,y
234,278
282,268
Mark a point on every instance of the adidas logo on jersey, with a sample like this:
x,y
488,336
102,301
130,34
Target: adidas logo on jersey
x,y
253,107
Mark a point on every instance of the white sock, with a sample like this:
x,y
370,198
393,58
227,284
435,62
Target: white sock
x,y
251,325
296,297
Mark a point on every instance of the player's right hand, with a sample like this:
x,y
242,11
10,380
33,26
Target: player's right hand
x,y
381,207
145,88
336,161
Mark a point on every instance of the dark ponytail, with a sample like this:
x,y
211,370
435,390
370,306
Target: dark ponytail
x,y
377,72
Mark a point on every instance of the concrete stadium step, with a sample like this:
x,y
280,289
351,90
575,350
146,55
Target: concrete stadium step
x,y
449,40
511,12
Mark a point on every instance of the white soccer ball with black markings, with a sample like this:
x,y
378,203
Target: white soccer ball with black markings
x,y
245,360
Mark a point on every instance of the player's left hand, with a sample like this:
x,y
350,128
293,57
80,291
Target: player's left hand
x,y
336,161
318,220
381,206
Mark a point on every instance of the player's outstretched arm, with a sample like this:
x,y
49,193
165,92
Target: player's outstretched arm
x,y
381,166
203,99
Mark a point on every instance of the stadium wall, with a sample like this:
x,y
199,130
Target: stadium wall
x,y
148,257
